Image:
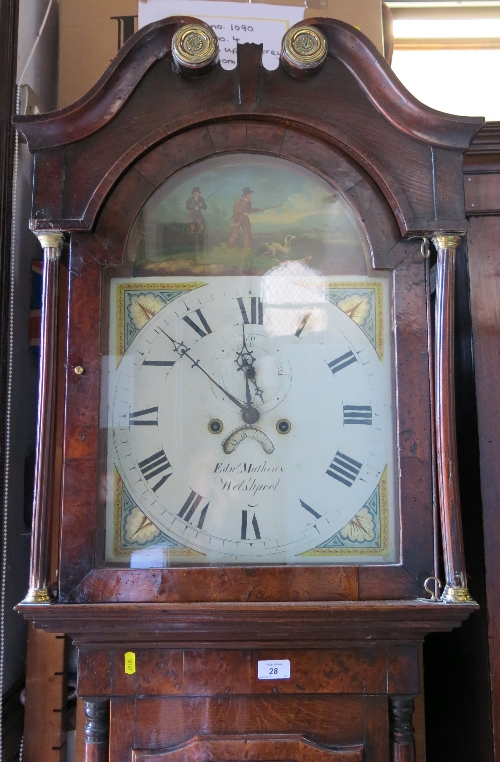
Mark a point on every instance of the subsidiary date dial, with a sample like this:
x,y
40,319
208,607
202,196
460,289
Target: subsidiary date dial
x,y
251,419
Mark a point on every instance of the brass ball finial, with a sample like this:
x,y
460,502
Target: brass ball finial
x,y
303,50
195,49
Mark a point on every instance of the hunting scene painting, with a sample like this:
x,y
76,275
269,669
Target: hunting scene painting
x,y
245,214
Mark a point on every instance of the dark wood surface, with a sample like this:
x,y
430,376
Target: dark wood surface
x,y
332,720
338,697
96,730
365,670
258,747
174,696
484,264
401,729
217,624
45,720
409,150
353,49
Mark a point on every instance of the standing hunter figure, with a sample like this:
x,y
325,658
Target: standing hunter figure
x,y
242,208
195,205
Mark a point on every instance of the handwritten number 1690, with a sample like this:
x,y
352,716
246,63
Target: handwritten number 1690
x,y
241,28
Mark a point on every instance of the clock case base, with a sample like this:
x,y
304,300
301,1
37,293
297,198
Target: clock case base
x,y
350,696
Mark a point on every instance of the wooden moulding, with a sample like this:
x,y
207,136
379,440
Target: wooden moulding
x,y
96,730
401,728
85,148
245,624
260,747
483,154
482,172
109,95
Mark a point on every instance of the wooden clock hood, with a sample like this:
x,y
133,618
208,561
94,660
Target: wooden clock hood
x,y
413,153
97,161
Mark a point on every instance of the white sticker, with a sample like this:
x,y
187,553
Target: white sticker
x,y
233,23
274,670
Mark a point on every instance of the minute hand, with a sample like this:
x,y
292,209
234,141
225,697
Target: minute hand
x,y
196,364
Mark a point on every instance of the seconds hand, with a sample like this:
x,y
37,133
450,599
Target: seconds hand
x,y
182,351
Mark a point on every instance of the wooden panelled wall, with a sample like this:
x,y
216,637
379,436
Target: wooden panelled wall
x,y
462,668
482,193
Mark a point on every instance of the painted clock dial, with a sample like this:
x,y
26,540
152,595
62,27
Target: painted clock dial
x,y
250,420
250,416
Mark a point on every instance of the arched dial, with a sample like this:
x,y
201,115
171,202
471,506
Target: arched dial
x,y
251,419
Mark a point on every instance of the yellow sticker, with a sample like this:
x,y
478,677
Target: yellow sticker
x,y
129,663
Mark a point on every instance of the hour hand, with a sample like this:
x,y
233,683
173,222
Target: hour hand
x,y
250,414
249,396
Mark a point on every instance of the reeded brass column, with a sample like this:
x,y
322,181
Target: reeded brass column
x,y
455,590
51,241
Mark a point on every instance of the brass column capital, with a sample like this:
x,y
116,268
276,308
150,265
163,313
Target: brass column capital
x,y
446,240
51,241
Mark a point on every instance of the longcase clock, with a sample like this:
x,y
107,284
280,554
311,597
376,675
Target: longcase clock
x,y
254,463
